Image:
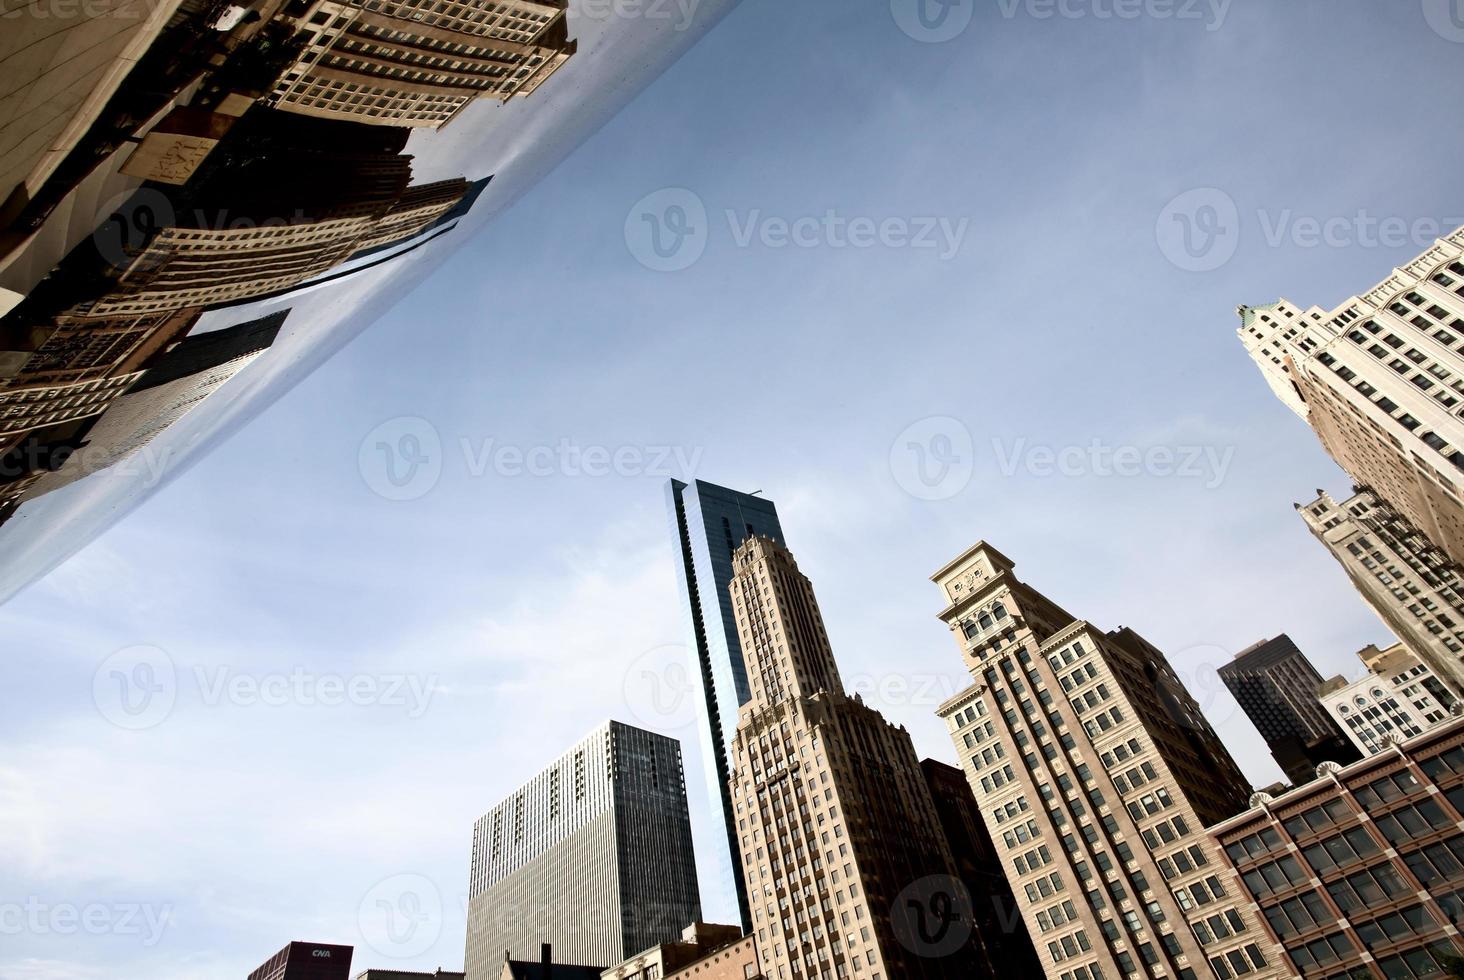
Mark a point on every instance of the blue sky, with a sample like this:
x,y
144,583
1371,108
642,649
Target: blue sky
x,y
531,607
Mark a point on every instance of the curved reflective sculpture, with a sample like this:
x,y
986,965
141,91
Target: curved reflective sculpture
x,y
221,193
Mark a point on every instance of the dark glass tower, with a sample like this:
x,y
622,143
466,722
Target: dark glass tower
x,y
1276,686
709,523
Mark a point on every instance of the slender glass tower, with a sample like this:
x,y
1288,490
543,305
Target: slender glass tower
x,y
708,524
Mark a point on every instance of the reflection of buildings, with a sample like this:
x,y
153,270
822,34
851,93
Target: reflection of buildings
x,y
1096,770
1398,697
1413,586
183,378
1276,686
593,856
286,199
418,62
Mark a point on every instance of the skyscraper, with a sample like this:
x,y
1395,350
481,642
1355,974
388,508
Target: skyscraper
x,y
1276,686
592,856
1381,381
1096,772
840,842
708,524
1413,586
1398,698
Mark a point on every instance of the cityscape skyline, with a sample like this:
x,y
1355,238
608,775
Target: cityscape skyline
x,y
462,510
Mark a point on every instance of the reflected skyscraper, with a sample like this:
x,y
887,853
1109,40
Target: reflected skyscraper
x,y
708,524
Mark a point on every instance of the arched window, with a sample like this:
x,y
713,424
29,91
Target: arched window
x,y
985,621
999,611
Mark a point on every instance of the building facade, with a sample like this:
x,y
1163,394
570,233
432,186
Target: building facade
x,y
306,961
419,62
1380,380
1398,698
698,941
593,856
839,838
735,962
1414,588
1096,774
708,524
1276,686
437,974
1360,873
999,933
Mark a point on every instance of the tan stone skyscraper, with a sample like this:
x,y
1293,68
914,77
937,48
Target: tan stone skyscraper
x,y
1413,586
1097,775
842,850
1380,379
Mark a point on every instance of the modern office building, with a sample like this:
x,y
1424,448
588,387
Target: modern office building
x,y
1415,589
999,935
1097,774
838,835
1380,380
592,856
708,524
1276,686
698,941
419,62
306,961
1360,874
1398,698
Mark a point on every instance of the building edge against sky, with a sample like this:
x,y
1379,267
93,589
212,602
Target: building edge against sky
x,y
1407,581
593,856
708,523
1380,380
1097,772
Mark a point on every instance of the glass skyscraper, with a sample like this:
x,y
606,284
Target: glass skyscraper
x,y
592,856
708,524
